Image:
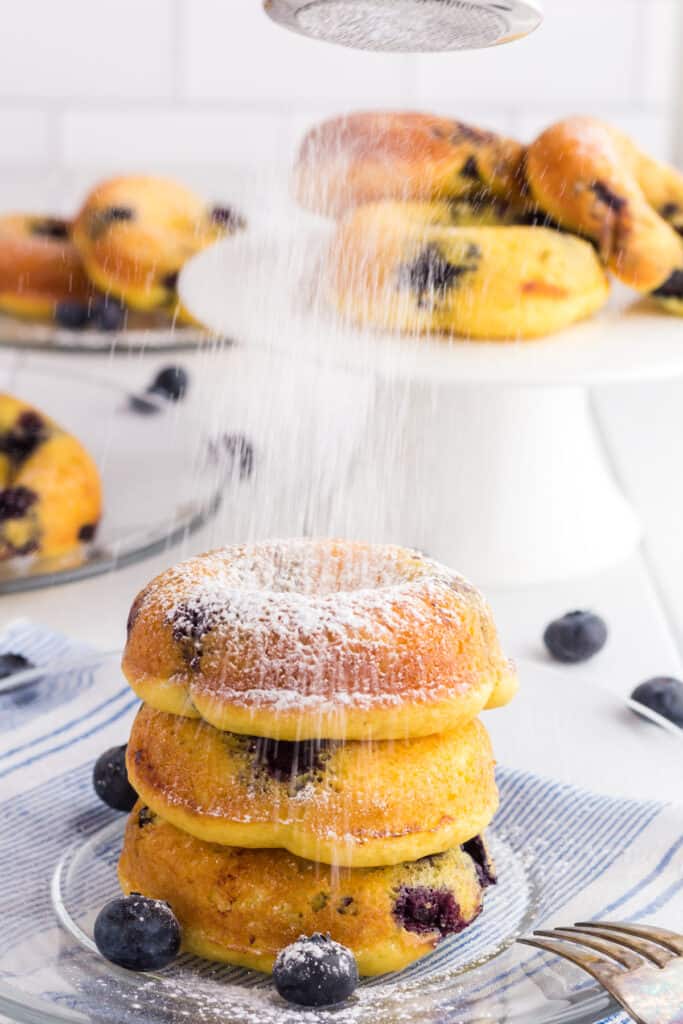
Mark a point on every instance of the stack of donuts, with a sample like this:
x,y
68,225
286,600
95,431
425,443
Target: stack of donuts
x,y
308,756
447,228
122,253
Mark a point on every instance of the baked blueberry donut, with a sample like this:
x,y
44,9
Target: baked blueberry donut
x,y
244,906
309,639
40,266
405,267
594,180
348,803
135,234
50,492
367,157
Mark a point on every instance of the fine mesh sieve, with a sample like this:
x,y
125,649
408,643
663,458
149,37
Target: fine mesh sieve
x,y
409,25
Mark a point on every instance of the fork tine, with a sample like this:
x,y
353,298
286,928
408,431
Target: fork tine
x,y
602,970
644,947
599,943
662,936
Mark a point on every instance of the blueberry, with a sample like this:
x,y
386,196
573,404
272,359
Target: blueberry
x,y
110,780
170,281
227,217
171,383
577,636
423,909
108,315
664,695
315,971
73,315
54,228
137,933
144,406
16,502
11,663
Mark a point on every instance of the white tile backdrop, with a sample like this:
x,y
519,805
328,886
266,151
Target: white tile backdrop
x,y
184,84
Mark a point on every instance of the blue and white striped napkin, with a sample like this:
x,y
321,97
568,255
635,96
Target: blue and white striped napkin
x,y
40,646
589,856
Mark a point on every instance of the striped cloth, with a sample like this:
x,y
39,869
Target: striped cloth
x,y
41,647
563,854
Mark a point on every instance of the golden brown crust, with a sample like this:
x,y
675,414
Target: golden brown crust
x,y
244,906
311,639
405,267
39,265
50,489
135,233
367,157
593,180
353,804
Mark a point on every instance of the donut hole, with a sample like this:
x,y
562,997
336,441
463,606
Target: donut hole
x,y
315,569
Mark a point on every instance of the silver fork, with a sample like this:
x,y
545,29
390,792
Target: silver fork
x,y
644,972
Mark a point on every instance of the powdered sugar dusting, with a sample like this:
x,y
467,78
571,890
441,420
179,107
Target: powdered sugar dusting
x,y
321,626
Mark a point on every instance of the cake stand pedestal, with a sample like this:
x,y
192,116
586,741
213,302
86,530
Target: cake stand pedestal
x,y
509,485
485,455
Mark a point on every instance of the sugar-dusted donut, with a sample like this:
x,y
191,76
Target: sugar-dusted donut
x,y
595,181
350,803
39,266
405,267
311,639
367,157
244,906
136,233
50,492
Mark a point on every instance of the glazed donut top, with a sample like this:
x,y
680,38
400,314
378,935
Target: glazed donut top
x,y
37,257
366,157
306,638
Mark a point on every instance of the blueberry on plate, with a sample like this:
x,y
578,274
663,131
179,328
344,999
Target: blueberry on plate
x,y
137,933
664,695
171,383
315,971
110,780
108,315
11,663
576,637
73,315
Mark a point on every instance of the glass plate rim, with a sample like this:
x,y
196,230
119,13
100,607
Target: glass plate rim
x,y
108,562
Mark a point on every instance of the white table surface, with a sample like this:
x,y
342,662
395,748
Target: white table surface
x,y
641,600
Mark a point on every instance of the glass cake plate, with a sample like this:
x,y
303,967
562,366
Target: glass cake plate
x,y
143,333
553,844
159,480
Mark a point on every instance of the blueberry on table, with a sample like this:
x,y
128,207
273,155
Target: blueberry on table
x,y
138,933
576,637
73,315
315,971
12,663
171,383
664,695
145,406
110,780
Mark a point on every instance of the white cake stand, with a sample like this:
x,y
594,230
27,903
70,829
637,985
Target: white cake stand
x,y
483,454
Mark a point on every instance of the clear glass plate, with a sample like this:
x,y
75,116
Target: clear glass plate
x,y
140,335
160,483
59,847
